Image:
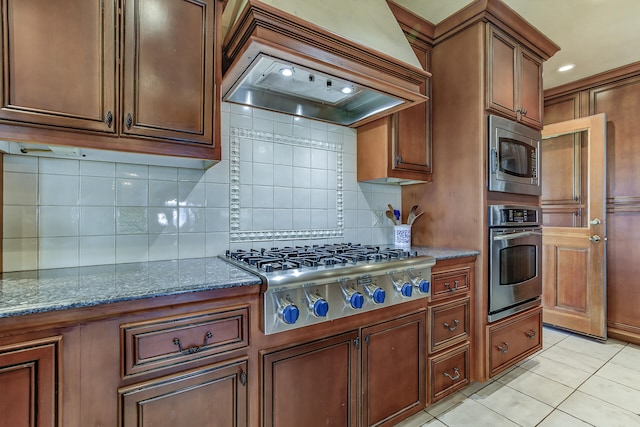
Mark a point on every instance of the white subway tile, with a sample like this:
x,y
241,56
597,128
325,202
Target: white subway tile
x,y
57,252
263,152
217,219
283,128
364,236
282,219
163,247
216,244
20,222
163,193
57,221
246,196
128,170
299,130
132,192
246,149
97,191
262,220
318,199
262,125
246,173
97,250
19,254
191,245
242,121
319,134
263,174
58,166
301,198
218,173
163,220
132,248
301,219
349,181
302,157
283,154
16,163
301,177
97,220
217,195
163,173
191,220
132,220
282,197
350,218
350,199
332,161
319,179
185,174
104,169
319,218
191,194
282,176
58,189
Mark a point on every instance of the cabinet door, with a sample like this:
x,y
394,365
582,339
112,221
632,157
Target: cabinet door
x,y
393,370
59,63
168,69
502,72
411,143
212,396
30,371
530,89
311,384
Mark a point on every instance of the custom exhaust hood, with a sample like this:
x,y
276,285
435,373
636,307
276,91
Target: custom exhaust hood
x,y
280,61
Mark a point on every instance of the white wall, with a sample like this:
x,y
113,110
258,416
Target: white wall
x,y
281,181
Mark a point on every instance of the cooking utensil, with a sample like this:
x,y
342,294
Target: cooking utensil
x,y
391,216
413,218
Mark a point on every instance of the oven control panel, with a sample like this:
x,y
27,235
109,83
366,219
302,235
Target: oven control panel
x,y
513,216
289,307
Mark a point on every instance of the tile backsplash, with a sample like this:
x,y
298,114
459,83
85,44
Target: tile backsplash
x,y
281,181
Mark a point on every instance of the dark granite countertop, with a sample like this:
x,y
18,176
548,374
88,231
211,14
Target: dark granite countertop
x,y
38,291
444,253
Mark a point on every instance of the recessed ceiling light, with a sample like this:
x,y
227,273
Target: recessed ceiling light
x,y
346,89
566,68
287,72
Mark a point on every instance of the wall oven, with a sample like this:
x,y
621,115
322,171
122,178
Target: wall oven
x,y
515,252
513,157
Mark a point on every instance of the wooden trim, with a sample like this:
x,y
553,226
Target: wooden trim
x,y
1,208
595,80
498,13
415,26
623,204
623,332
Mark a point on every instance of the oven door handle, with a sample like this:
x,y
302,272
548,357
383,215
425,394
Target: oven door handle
x,y
517,235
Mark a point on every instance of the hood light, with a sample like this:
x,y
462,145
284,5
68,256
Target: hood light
x,y
287,72
565,68
346,90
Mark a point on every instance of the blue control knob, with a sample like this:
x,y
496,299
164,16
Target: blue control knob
x,y
356,300
320,307
424,286
379,295
290,314
406,290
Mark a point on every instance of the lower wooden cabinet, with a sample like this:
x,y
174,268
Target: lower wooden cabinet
x,y
448,372
513,339
316,383
30,370
210,396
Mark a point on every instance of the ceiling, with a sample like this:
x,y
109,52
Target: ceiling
x,y
595,35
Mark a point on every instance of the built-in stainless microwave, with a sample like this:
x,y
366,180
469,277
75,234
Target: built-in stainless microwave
x,y
514,157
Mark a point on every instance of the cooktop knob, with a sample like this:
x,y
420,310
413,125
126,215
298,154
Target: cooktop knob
x,y
320,307
406,290
423,285
290,314
356,300
376,293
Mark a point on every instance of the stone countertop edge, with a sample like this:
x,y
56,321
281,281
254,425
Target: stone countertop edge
x,y
39,291
443,253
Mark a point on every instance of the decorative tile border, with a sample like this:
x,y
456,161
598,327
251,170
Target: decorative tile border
x,y
238,235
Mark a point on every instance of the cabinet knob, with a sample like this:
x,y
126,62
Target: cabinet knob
x,y
129,121
108,119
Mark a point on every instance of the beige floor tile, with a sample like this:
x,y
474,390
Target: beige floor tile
x,y
518,407
628,357
434,423
552,336
543,389
597,412
594,348
417,420
445,404
622,375
560,372
613,392
471,413
474,387
560,419
575,359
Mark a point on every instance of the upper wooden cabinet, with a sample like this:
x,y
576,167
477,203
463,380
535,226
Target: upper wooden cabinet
x,y
397,148
140,79
514,79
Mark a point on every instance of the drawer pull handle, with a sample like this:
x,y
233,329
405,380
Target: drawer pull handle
x,y
455,377
452,328
504,349
455,286
195,348
531,333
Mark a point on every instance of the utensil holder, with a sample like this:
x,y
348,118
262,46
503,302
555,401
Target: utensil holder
x,y
402,236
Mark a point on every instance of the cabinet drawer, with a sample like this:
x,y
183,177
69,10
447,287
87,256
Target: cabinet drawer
x,y
449,283
163,342
448,372
513,339
449,324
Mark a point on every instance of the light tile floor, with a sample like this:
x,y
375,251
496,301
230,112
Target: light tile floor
x,y
572,382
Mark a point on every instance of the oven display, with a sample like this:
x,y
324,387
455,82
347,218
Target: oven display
x,y
520,216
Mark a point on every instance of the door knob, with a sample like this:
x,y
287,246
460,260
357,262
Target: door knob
x,y
595,238
595,221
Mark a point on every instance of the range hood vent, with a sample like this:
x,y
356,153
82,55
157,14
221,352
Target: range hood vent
x,y
276,61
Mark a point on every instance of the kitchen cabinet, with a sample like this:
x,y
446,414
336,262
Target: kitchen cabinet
x,y
316,383
450,327
30,370
143,77
464,49
397,148
513,339
514,79
617,94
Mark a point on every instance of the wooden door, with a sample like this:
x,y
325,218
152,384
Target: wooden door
x,y
311,384
168,69
393,370
212,396
502,73
530,89
574,225
30,371
59,63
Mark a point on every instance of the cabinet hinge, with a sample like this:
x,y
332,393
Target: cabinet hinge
x,y
243,377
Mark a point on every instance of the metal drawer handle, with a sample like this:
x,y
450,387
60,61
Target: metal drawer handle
x,y
455,377
504,349
531,333
455,285
452,328
195,348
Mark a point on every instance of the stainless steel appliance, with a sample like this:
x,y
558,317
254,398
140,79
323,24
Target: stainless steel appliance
x,y
313,284
515,259
514,157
